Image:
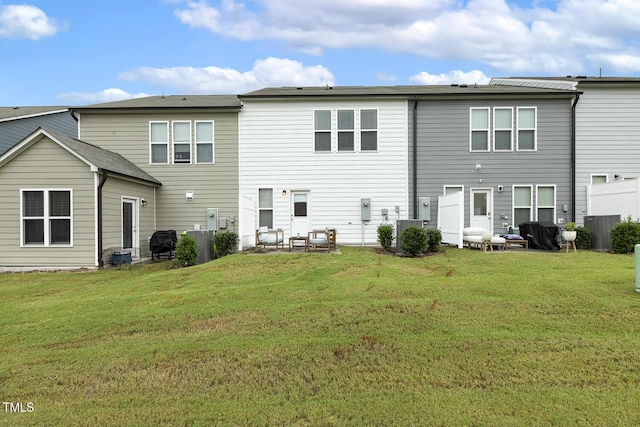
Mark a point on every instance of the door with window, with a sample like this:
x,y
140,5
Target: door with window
x,y
130,225
300,213
481,206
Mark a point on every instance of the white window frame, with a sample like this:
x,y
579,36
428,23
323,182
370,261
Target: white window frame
x,y
513,202
501,129
174,142
268,208
485,129
201,143
317,131
362,130
165,143
534,128
46,218
539,206
351,130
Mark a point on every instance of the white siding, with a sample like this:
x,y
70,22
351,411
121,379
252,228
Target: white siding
x,y
277,151
607,138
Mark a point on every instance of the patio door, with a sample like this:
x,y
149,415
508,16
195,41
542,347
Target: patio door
x,y
130,225
300,213
481,206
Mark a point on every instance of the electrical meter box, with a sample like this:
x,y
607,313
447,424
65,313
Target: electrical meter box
x,y
425,208
365,209
212,218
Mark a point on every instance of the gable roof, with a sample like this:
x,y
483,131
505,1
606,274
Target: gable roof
x,y
223,102
97,158
17,113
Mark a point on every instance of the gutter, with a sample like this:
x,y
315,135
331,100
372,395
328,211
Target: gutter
x,y
103,180
415,158
573,158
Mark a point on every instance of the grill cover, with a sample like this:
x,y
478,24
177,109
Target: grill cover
x,y
541,235
163,241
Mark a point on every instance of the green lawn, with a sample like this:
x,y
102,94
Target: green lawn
x,y
358,338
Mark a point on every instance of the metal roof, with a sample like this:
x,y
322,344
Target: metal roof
x,y
169,102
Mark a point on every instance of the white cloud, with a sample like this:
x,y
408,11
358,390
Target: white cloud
x,y
107,95
456,76
500,33
214,80
26,22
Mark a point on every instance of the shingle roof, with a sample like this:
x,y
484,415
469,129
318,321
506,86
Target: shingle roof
x,y
399,91
170,102
15,113
103,159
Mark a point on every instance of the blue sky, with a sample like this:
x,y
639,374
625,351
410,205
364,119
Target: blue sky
x,y
75,52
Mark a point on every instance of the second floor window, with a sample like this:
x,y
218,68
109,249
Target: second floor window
x,y
479,129
181,142
159,142
346,130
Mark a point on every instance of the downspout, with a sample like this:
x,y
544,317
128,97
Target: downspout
x,y
415,159
573,157
103,179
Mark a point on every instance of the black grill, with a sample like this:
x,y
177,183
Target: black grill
x,y
163,242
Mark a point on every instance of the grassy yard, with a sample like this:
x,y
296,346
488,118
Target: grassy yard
x,y
358,338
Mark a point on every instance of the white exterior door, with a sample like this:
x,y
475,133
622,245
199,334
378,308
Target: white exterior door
x,y
300,213
130,240
481,206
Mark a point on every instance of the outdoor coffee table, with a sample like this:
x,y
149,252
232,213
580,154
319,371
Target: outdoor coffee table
x,y
304,239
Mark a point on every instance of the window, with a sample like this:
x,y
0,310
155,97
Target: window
x,y
322,126
346,130
204,142
599,179
546,203
265,207
368,130
159,142
181,142
502,129
46,217
479,129
527,128
522,204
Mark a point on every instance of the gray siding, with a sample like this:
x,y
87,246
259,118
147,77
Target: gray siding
x,y
14,131
607,138
214,186
444,157
34,169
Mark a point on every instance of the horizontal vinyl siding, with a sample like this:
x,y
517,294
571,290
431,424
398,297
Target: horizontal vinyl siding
x,y
277,151
47,166
444,157
607,138
214,186
113,192
12,132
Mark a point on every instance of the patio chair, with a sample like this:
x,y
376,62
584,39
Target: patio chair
x,y
320,239
266,237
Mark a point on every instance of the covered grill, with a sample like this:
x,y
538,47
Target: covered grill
x,y
162,242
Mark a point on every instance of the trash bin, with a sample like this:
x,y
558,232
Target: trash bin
x,y
119,258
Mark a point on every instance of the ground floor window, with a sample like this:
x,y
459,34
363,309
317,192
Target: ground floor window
x,y
46,218
546,201
265,207
522,204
